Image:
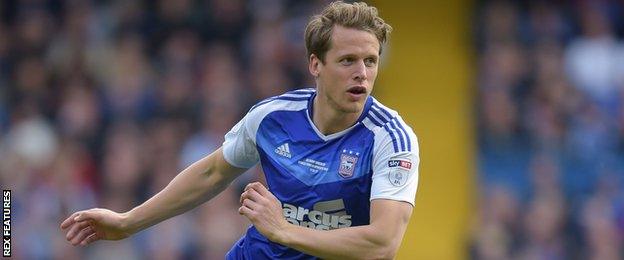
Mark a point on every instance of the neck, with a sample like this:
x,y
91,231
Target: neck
x,y
330,120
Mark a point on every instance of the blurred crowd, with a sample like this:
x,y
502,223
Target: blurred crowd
x,y
550,130
103,102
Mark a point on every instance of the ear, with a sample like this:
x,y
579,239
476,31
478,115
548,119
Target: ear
x,y
314,65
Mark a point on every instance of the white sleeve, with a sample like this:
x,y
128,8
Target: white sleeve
x,y
239,147
395,174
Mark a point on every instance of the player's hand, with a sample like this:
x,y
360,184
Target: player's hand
x,y
264,210
88,226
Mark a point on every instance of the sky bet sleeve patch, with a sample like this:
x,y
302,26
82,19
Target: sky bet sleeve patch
x,y
399,170
400,163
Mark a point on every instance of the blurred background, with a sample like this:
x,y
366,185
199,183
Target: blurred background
x,y
518,105
550,130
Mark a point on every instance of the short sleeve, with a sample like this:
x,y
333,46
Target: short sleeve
x,y
239,148
395,173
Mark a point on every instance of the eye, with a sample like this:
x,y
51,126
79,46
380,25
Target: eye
x,y
347,61
370,62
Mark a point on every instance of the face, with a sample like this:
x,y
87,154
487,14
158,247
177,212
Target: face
x,y
347,76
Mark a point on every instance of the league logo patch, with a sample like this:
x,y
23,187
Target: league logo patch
x,y
347,163
397,177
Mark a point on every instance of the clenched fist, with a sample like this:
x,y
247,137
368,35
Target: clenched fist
x,y
264,210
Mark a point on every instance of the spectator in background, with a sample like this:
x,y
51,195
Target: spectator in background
x,y
550,86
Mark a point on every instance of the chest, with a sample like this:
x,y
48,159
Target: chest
x,y
291,147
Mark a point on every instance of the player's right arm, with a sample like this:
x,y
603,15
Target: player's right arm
x,y
197,184
193,186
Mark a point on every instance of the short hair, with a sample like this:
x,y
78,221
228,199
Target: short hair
x,y
356,16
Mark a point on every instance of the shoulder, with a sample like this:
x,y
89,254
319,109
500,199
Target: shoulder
x,y
295,100
289,101
390,128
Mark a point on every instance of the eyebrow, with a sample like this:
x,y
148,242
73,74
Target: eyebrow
x,y
352,55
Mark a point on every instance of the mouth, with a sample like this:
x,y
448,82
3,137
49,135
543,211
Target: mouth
x,y
356,93
356,90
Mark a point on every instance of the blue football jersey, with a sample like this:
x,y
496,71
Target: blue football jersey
x,y
323,181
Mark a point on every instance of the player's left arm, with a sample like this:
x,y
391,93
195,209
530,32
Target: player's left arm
x,y
378,240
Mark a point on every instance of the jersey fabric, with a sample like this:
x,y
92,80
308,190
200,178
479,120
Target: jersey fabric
x,y
323,181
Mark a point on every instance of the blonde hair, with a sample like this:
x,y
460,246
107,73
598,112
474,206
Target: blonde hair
x,y
356,16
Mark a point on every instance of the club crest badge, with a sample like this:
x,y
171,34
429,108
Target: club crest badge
x,y
348,159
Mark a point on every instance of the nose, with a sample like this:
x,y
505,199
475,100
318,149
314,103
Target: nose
x,y
360,72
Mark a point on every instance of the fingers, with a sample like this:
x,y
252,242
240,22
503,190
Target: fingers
x,y
77,227
84,233
90,239
244,210
69,221
77,217
258,193
259,188
255,185
250,204
81,227
251,194
86,215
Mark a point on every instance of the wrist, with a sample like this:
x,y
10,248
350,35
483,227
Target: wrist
x,y
129,223
283,236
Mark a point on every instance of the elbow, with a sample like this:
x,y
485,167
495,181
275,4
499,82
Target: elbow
x,y
381,253
384,249
213,178
386,252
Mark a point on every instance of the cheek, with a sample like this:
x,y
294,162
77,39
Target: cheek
x,y
373,71
333,79
372,75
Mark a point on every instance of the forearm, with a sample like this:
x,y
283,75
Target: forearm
x,y
361,242
378,240
196,184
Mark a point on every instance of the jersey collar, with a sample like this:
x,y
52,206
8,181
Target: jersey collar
x,y
309,113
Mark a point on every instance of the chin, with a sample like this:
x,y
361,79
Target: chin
x,y
352,108
344,105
